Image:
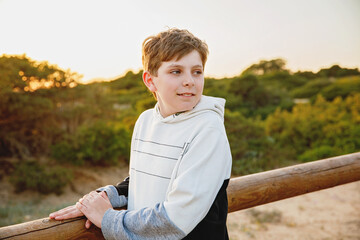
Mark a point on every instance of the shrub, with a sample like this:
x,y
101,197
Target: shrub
x,y
103,144
251,149
310,89
319,153
98,144
319,130
343,87
30,175
64,152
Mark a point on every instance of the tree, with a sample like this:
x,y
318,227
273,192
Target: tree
x,y
311,89
306,74
266,66
337,71
342,87
26,112
255,97
20,73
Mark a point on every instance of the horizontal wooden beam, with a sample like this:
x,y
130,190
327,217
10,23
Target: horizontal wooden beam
x,y
46,228
265,187
243,192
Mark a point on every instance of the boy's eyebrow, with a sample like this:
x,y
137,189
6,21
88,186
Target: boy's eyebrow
x,y
178,65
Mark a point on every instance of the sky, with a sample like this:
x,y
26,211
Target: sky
x,y
102,39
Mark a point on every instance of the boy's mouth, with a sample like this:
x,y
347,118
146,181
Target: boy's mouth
x,y
186,94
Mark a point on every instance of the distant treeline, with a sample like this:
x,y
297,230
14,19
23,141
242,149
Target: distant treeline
x,y
49,121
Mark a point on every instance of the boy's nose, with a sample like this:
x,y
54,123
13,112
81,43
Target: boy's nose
x,y
188,81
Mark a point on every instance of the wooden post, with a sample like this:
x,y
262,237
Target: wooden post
x,y
243,192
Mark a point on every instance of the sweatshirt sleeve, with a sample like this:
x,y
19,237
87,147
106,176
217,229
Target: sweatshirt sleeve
x,y
143,224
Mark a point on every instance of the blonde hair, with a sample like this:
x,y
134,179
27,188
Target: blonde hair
x,y
173,43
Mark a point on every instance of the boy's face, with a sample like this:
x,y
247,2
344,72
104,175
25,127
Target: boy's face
x,y
178,85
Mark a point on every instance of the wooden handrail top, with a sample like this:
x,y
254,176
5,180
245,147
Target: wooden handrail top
x,y
243,192
270,186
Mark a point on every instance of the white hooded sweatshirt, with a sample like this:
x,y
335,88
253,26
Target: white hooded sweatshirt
x,y
178,164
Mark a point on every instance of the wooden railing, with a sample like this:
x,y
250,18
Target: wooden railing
x,y
243,192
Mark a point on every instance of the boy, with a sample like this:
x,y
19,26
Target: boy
x,y
180,160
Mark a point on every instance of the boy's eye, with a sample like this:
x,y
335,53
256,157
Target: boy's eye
x,y
198,72
176,72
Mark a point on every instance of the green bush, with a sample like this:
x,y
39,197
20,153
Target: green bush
x,y
319,130
103,144
248,165
310,89
98,144
145,103
31,175
319,153
251,149
64,152
342,87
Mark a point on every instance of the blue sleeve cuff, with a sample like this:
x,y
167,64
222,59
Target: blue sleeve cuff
x,y
143,224
115,200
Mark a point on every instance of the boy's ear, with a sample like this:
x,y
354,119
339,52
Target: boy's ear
x,y
148,80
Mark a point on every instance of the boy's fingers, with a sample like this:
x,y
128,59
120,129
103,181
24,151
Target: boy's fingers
x,y
66,210
104,195
81,207
53,214
93,194
88,223
71,214
78,205
66,213
87,197
61,212
84,197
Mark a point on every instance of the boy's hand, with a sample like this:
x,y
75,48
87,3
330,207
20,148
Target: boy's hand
x,y
69,212
93,206
66,213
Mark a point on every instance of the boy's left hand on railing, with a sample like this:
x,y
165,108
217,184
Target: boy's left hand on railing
x,y
93,206
69,212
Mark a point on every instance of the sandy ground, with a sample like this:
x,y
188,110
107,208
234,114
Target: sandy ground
x,y
328,214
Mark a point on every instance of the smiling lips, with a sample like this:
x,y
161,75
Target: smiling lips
x,y
186,94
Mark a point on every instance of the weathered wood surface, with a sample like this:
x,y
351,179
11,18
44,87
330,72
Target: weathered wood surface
x,y
243,192
46,228
265,187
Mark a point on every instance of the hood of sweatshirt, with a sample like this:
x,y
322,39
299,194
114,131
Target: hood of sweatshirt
x,y
206,103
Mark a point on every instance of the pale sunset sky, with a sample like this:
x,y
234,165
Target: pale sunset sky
x,y
102,39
